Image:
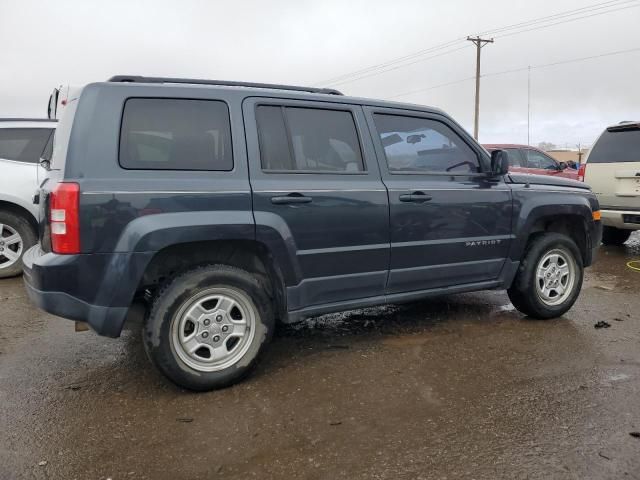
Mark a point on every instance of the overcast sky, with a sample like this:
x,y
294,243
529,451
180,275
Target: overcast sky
x,y
47,43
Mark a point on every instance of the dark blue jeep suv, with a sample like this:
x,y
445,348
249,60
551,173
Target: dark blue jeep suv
x,y
229,206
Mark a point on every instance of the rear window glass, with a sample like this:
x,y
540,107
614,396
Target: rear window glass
x,y
175,134
23,144
308,140
617,147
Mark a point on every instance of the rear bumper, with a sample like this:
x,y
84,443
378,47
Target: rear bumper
x,y
620,218
96,289
107,321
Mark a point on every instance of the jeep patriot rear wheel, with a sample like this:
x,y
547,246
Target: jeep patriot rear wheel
x,y
549,278
207,327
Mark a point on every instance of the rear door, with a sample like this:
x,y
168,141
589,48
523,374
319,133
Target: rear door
x,y
450,224
316,184
613,167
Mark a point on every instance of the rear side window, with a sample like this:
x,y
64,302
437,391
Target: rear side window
x,y
308,140
617,147
23,144
175,134
421,145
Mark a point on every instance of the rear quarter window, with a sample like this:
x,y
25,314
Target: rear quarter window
x,y
175,134
617,147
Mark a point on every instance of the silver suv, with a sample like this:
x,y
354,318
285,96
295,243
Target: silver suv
x,y
612,169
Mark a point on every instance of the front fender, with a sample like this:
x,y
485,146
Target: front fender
x,y
532,206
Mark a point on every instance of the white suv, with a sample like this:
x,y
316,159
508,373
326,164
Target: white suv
x,y
612,169
23,143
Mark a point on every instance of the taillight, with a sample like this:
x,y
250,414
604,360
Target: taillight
x,y
581,171
65,218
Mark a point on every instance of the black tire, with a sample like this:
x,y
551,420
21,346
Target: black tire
x,y
615,236
28,237
166,309
523,293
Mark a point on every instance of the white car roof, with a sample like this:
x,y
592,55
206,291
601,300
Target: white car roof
x,y
27,123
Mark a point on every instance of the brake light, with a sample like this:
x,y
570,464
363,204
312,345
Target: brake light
x,y
65,218
581,171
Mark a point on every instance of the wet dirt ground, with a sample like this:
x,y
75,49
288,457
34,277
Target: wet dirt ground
x,y
460,386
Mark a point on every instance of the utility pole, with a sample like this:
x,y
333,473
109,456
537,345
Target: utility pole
x,y
479,43
580,153
529,106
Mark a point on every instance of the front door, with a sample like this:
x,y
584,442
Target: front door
x,y
450,222
539,163
317,193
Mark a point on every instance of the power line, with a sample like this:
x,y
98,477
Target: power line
x,y
391,68
578,11
394,61
569,20
562,62
520,69
568,13
400,62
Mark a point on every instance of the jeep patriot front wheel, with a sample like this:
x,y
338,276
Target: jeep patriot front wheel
x,y
549,278
208,327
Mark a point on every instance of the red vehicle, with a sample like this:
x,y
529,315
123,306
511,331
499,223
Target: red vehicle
x,y
526,159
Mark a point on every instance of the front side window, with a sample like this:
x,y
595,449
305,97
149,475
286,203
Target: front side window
x,y
422,145
175,134
23,144
308,140
539,160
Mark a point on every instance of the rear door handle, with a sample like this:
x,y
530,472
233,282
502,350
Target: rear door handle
x,y
415,197
291,199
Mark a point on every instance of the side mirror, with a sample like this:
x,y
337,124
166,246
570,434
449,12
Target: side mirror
x,y
499,163
563,166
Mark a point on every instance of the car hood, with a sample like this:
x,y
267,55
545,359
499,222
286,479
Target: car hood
x,y
546,180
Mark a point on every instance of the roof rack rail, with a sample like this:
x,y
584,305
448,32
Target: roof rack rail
x,y
225,83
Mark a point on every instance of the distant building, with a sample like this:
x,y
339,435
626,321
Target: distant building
x,y
569,155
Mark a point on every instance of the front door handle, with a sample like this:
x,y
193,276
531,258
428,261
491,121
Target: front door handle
x,y
291,199
415,197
